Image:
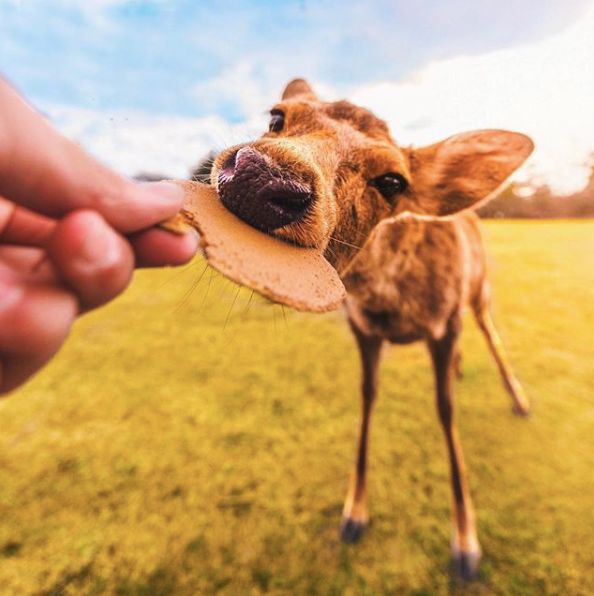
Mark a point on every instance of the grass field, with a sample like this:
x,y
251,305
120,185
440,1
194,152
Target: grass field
x,y
190,441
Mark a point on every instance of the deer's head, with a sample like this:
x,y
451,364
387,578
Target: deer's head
x,y
327,172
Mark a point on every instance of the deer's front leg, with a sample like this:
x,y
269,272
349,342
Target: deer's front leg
x,y
354,515
466,549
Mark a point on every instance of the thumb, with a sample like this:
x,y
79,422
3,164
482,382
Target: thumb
x,y
47,173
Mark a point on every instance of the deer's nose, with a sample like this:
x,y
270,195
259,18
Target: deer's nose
x,y
252,188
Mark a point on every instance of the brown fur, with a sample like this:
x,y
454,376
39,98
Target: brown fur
x,y
409,277
337,148
412,281
413,275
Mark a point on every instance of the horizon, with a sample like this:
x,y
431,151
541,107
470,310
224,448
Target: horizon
x,y
150,86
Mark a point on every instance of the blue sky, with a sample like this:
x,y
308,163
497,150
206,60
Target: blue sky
x,y
159,56
155,85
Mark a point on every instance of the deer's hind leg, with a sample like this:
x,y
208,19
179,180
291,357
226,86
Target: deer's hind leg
x,y
355,516
482,313
466,549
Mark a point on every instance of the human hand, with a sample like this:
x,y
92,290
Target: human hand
x,y
71,233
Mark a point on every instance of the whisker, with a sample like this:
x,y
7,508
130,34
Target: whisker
x,y
345,243
332,252
247,306
187,295
211,275
231,308
180,271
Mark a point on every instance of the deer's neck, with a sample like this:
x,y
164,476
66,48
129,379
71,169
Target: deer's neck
x,y
390,256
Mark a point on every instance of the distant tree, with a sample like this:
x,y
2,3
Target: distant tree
x,y
510,203
505,204
543,203
149,177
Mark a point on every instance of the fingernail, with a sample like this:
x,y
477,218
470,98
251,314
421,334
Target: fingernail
x,y
192,238
195,235
167,192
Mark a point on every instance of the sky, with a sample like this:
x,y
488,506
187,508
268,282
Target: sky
x,y
154,85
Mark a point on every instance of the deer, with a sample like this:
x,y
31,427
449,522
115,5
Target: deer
x,y
397,224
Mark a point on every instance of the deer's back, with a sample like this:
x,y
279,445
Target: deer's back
x,y
413,274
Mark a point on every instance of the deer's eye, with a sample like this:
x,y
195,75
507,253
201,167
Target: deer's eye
x,y
277,121
390,184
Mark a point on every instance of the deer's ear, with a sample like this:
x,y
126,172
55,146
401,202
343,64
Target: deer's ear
x,y
465,169
299,87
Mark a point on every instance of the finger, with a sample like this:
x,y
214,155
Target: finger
x,y
15,370
47,173
35,318
23,227
31,263
91,258
156,248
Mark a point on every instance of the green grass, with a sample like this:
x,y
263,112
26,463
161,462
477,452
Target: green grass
x,y
192,443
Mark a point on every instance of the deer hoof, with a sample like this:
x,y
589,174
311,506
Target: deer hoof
x,y
466,565
351,530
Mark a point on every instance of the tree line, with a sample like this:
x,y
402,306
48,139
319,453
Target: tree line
x,y
509,203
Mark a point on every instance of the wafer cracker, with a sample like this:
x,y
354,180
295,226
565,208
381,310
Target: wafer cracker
x,y
297,277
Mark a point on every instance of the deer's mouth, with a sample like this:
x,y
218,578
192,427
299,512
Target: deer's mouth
x,y
266,196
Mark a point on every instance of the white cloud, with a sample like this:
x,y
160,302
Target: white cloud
x,y
544,89
134,142
237,87
248,90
